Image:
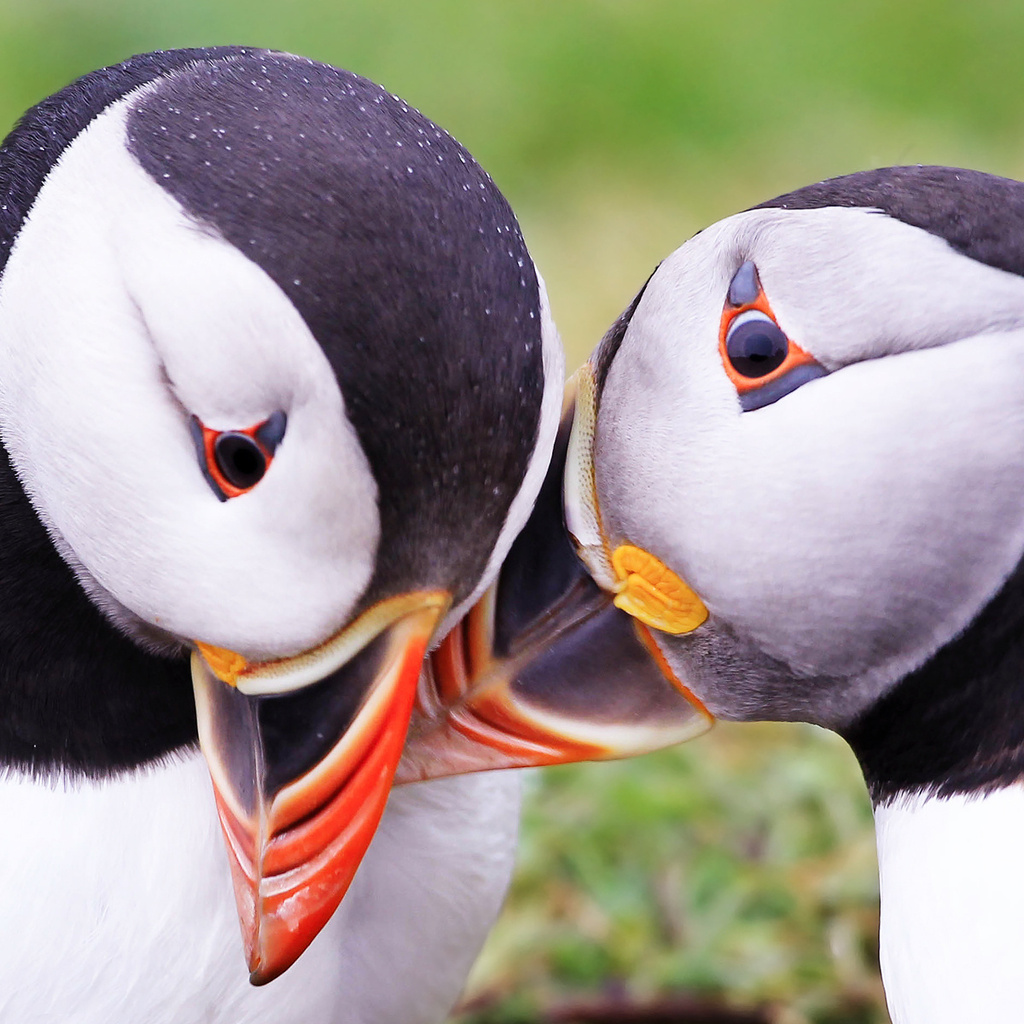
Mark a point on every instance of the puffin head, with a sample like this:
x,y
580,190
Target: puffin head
x,y
280,384
794,468
812,415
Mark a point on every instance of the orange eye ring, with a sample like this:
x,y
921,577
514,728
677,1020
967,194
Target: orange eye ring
x,y
234,461
758,356
795,355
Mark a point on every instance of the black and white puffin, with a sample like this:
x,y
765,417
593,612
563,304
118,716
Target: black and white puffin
x,y
796,462
278,387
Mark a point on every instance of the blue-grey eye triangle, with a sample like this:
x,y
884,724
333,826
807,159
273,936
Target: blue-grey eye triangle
x,y
271,431
744,287
771,392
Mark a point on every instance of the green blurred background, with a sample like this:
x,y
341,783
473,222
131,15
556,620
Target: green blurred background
x,y
740,868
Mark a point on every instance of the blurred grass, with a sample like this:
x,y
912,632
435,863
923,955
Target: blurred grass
x,y
741,865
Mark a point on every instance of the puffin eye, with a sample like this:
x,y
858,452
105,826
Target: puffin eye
x,y
762,362
755,344
235,461
239,459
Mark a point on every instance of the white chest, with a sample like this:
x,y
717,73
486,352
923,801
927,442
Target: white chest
x,y
952,889
116,906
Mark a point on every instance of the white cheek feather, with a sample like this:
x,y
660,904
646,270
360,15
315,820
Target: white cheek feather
x,y
859,522
120,318
953,908
869,518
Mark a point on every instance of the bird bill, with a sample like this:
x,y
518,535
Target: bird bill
x,y
585,683
302,753
558,661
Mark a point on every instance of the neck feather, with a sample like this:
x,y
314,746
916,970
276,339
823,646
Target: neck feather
x,y
952,906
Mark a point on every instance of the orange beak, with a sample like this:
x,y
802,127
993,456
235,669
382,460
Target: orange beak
x,y
302,754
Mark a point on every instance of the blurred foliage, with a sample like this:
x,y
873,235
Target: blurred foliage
x,y
742,864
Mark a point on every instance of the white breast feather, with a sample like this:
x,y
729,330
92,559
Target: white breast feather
x,y
117,906
952,884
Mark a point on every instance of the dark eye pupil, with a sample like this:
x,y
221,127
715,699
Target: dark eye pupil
x,y
756,347
240,460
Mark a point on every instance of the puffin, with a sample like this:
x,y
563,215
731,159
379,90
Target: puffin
x,y
790,481
279,386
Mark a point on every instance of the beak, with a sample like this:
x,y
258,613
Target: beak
x,y
558,662
302,753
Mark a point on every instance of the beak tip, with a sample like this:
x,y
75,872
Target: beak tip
x,y
259,977
268,963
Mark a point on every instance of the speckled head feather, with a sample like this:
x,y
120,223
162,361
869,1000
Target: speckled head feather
x,y
44,132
